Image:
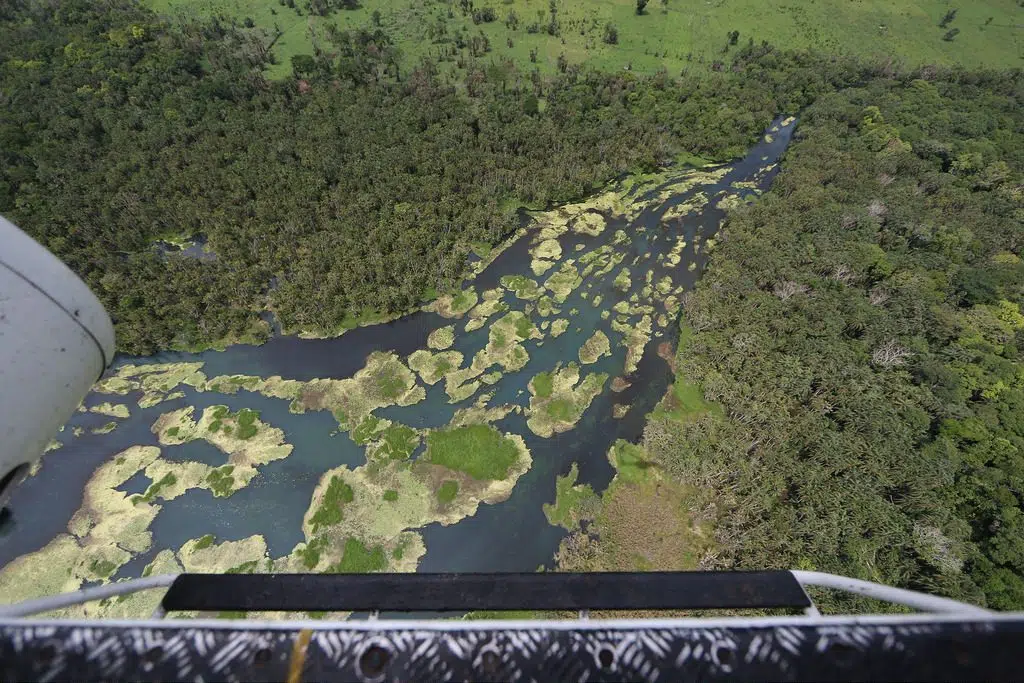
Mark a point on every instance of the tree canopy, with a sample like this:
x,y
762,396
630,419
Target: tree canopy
x,y
351,188
861,327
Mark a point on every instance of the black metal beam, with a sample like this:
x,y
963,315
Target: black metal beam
x,y
461,592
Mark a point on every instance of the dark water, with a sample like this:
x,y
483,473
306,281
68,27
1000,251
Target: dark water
x,y
510,536
194,248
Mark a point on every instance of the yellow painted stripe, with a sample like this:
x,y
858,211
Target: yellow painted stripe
x,y
299,656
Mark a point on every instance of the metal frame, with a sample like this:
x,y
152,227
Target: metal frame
x,y
465,592
898,647
954,641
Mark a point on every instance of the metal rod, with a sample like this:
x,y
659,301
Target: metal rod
x,y
110,590
878,591
920,601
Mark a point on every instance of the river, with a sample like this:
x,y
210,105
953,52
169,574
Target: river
x,y
512,535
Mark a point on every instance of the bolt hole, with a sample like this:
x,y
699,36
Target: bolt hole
x,y
263,655
153,655
373,661
606,658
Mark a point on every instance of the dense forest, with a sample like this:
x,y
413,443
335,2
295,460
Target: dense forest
x,y
351,190
861,328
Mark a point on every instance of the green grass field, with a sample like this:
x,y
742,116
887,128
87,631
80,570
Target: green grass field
x,y
674,34
481,451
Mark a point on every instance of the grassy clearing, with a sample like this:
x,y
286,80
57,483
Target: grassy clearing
x,y
248,567
631,462
448,491
685,401
390,381
481,451
384,500
102,568
358,559
672,34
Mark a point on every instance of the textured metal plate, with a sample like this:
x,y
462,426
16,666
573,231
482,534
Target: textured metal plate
x,y
894,650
